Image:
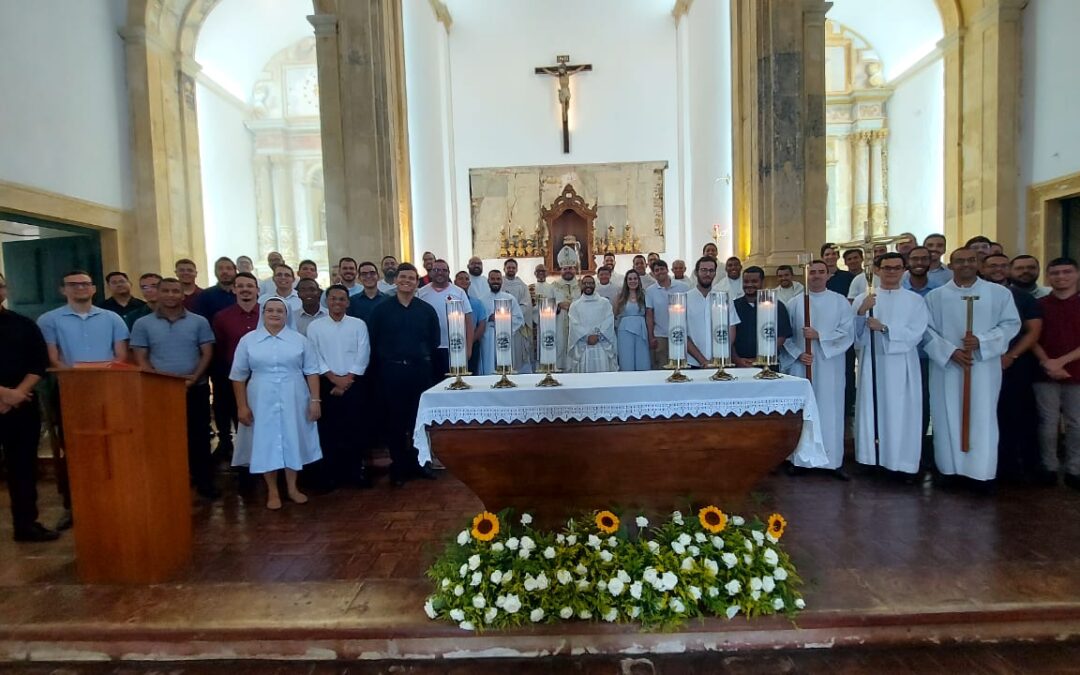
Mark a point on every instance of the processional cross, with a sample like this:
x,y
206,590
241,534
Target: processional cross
x,y
563,69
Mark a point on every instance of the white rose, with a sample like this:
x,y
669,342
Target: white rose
x,y
770,557
800,603
758,536
524,553
685,539
530,583
457,615
606,556
479,602
747,559
527,542
732,611
712,566
537,615
613,541
729,560
635,612
500,601
526,519
583,584
749,545
490,614
459,590
732,587
642,521
512,543
571,539
676,518
718,542
649,575
541,582
594,541
611,615
564,577
754,595
580,569
778,604
622,574
477,577
463,537
601,585
635,590
700,537
695,592
560,539
755,584
737,520
772,539
512,604
507,576
474,561
466,625
496,577
549,552
780,573
463,570
498,547
584,615
768,584
687,564
713,591
670,580
616,587
678,547
566,613
654,547
446,583
429,609
677,606
694,550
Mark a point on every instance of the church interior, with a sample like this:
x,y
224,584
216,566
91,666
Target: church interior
x,y
137,133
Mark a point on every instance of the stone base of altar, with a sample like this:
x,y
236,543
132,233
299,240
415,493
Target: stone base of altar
x,y
340,579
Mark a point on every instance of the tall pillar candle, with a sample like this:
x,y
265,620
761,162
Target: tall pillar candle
x,y
677,326
547,331
455,331
503,338
766,325
719,326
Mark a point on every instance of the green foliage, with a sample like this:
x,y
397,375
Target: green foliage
x,y
658,577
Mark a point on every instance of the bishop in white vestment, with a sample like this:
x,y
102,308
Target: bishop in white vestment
x,y
995,323
591,345
831,334
517,321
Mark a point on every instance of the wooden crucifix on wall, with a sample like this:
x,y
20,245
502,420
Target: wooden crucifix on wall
x,y
563,69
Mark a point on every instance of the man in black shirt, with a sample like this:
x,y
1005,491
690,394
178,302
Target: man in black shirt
x,y
839,280
753,278
120,300
404,334
23,366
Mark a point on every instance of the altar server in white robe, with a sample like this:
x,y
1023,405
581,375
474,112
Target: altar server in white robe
x,y
830,334
517,321
523,339
591,346
566,290
995,323
897,327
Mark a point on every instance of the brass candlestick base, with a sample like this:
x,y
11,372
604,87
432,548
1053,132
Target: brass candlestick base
x,y
548,381
720,375
505,382
677,366
767,373
458,384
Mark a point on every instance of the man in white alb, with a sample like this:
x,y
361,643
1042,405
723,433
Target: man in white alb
x,y
950,350
591,346
487,346
897,327
523,339
829,336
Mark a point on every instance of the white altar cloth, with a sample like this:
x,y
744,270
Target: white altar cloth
x,y
621,396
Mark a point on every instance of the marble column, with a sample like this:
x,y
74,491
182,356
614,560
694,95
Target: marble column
x,y
860,210
779,76
877,219
264,208
284,215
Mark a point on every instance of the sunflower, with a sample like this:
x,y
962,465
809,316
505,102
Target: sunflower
x,y
777,525
485,526
712,519
607,522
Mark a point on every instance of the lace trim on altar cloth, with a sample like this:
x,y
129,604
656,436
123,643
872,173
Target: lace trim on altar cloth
x,y
610,411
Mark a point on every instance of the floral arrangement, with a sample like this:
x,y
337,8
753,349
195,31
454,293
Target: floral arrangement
x,y
497,575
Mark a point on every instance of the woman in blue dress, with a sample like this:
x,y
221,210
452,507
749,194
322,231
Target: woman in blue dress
x,y
632,338
275,376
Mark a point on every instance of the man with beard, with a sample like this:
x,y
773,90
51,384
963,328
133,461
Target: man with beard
x,y
523,339
732,279
216,298
428,259
591,346
609,262
120,300
437,294
229,325
517,321
788,288
744,344
478,283
388,284
1024,276
918,280
939,274
565,290
1018,461
699,343
348,270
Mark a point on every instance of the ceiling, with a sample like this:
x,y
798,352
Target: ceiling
x,y
900,32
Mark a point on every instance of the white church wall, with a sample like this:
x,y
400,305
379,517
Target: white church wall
x,y
916,162
708,27
228,180
65,109
426,93
505,115
1050,99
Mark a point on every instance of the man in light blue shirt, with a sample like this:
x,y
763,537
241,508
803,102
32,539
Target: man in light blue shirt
x,y
656,311
79,332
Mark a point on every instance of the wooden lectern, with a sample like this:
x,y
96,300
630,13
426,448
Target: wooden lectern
x,y
125,435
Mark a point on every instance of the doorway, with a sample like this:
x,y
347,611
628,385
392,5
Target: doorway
x,y
1070,227
36,253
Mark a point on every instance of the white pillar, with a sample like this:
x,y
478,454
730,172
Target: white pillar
x,y
861,171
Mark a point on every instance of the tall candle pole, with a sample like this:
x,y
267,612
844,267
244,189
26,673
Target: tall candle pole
x,y
455,331
804,260
677,336
504,343
766,334
720,332
547,308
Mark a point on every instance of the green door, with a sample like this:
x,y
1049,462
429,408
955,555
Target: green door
x,y
34,268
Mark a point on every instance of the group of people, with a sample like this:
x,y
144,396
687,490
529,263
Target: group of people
x,y
297,377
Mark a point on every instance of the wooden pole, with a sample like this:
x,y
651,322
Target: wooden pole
x,y
965,418
806,317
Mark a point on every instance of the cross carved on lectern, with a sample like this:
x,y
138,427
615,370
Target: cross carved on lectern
x,y
563,69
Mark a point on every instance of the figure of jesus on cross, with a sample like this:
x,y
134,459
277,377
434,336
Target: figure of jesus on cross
x,y
563,69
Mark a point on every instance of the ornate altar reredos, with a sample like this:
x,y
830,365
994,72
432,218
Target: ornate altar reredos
x,y
527,212
569,224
